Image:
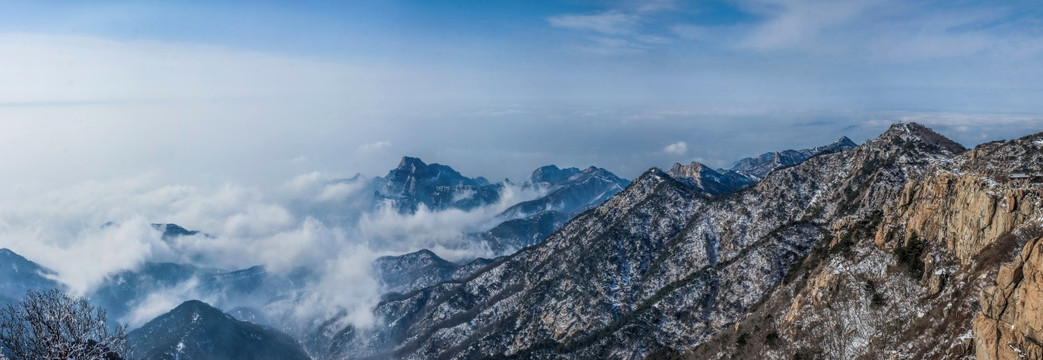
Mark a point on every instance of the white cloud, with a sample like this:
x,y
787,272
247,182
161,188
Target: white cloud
x,y
651,6
319,187
339,191
690,32
609,22
65,230
677,148
884,30
798,23
56,69
163,300
374,146
82,258
305,183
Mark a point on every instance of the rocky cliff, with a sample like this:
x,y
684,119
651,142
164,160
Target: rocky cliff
x,y
915,268
1010,324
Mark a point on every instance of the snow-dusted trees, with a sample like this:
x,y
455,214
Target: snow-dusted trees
x,y
53,325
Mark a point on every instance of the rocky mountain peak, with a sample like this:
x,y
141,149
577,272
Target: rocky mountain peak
x,y
552,174
410,164
844,140
693,170
436,186
196,307
421,257
707,180
414,168
195,330
6,253
844,143
912,133
171,231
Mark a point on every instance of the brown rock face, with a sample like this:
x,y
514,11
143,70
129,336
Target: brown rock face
x,y
1010,325
965,212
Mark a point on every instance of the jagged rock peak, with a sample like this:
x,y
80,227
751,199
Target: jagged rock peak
x,y
411,164
412,167
905,132
843,143
552,174
693,170
707,180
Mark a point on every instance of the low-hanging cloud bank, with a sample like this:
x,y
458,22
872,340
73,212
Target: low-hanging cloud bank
x,y
91,230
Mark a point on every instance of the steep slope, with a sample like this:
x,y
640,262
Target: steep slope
x,y
568,192
417,270
1010,324
917,268
18,275
657,266
195,330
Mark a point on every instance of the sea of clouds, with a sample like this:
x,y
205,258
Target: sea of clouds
x,y
91,230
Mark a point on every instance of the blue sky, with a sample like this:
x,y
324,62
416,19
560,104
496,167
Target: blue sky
x,y
494,88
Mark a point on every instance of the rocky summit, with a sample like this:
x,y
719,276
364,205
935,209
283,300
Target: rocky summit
x,y
414,183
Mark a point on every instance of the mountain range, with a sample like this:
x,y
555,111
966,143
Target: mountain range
x,y
836,251
828,258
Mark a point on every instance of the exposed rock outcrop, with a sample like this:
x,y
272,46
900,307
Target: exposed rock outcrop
x,y
970,202
881,284
1010,325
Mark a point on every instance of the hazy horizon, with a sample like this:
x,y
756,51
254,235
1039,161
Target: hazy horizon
x,y
211,93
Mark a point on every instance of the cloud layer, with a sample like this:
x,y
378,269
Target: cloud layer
x,y
91,230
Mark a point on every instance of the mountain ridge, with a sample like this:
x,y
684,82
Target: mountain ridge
x,y
634,265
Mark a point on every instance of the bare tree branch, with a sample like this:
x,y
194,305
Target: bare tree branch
x,y
53,325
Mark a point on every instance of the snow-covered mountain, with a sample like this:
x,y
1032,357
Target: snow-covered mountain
x,y
757,168
417,270
850,252
660,268
568,191
708,181
18,275
436,186
748,171
196,330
